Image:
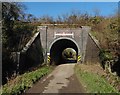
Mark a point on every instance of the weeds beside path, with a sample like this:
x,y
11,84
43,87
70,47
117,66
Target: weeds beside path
x,y
92,78
25,81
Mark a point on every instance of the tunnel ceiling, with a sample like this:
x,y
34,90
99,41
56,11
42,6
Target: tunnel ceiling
x,y
58,47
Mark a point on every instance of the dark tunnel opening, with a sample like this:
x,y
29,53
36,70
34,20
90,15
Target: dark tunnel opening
x,y
57,49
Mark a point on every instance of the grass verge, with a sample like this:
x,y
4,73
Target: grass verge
x,y
25,81
93,83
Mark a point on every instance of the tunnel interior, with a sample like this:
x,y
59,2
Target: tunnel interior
x,y
57,49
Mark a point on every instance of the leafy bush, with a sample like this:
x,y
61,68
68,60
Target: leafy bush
x,y
105,55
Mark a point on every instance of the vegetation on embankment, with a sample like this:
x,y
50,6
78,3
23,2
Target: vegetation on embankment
x,y
93,79
18,27
25,81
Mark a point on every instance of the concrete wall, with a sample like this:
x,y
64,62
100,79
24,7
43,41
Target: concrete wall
x,y
80,37
92,50
31,55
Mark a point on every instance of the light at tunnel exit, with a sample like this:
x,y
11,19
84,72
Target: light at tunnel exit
x,y
69,54
59,47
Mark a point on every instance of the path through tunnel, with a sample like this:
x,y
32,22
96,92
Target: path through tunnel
x,y
57,49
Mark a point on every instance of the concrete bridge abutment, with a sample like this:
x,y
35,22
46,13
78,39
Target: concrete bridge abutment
x,y
55,40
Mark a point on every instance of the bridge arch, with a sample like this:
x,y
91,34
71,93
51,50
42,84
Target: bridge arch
x,y
59,45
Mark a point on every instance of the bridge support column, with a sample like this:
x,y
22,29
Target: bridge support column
x,y
44,34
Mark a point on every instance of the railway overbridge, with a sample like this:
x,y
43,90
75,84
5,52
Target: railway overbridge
x,y
55,40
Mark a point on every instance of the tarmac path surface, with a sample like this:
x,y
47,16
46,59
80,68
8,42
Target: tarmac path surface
x,y
61,80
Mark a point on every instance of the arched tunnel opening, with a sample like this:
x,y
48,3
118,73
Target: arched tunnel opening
x,y
60,49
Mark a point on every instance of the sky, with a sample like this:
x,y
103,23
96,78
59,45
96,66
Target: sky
x,y
39,9
60,0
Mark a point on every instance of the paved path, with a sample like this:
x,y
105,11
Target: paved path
x,y
61,80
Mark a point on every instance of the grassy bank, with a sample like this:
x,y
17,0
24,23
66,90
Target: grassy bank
x,y
93,82
25,81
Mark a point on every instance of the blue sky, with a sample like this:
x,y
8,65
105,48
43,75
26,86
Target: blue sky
x,y
54,9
